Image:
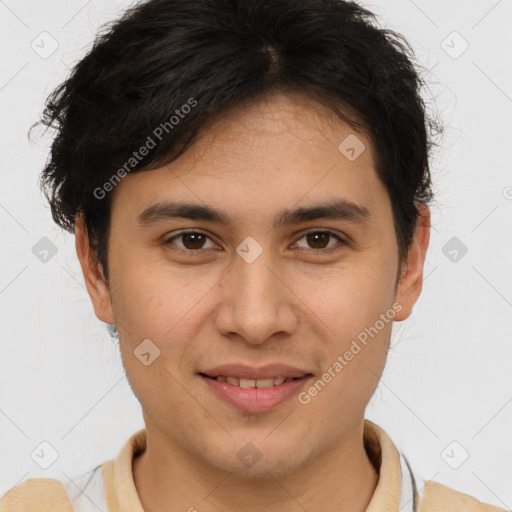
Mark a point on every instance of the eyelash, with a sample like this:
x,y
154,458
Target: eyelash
x,y
323,251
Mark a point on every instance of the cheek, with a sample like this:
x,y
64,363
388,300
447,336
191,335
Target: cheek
x,y
150,298
153,302
163,304
348,299
354,338
352,310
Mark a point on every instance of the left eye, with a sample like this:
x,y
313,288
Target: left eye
x,y
319,239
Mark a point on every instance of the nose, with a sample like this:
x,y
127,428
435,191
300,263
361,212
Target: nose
x,y
256,301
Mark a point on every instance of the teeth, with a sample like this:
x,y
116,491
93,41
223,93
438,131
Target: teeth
x,y
264,383
252,383
247,383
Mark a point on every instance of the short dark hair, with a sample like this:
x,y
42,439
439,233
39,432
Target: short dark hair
x,y
164,54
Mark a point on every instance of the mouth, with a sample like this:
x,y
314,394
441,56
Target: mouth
x,y
251,383
255,389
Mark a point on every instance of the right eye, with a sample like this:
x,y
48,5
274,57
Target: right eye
x,y
192,241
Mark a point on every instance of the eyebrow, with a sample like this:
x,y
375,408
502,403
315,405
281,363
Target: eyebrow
x,y
337,210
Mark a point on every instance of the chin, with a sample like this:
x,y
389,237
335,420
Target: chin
x,y
262,471
253,464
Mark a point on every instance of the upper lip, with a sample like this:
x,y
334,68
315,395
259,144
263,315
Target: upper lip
x,y
256,373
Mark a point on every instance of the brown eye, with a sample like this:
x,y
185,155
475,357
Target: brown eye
x,y
318,240
190,240
193,240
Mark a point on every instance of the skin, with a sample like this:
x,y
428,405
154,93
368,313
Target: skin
x,y
295,304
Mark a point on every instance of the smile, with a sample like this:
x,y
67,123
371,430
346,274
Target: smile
x,y
255,389
252,383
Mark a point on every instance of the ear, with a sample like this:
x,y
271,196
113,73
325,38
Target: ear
x,y
93,273
411,280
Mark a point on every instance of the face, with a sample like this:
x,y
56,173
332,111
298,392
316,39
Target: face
x,y
257,275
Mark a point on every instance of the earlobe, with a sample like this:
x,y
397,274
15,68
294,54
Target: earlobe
x,y
411,281
94,278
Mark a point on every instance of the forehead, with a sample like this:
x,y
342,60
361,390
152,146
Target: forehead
x,y
284,149
274,121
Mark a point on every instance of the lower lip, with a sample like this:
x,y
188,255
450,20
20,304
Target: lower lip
x,y
256,399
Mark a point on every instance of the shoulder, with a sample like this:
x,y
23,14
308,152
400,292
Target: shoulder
x,y
82,494
32,493
437,497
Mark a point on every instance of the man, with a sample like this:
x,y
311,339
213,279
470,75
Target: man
x,y
248,184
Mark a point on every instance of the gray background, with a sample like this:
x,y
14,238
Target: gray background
x,y
446,392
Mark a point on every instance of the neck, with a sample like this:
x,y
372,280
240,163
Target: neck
x,y
342,479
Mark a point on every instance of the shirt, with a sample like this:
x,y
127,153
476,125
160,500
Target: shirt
x,y
110,487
